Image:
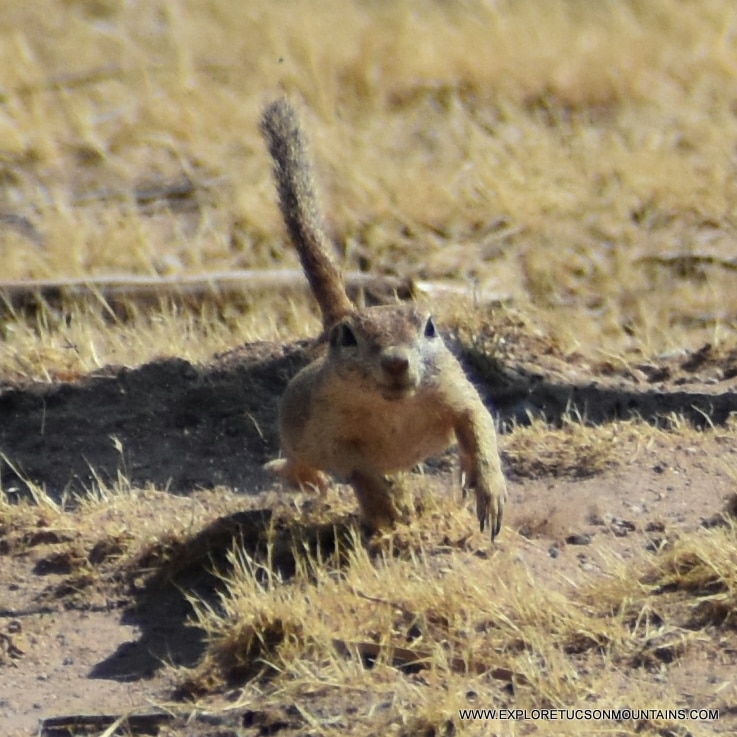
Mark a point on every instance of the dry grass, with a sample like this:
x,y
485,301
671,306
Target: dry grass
x,y
545,150
110,524
578,450
574,450
444,620
60,343
400,635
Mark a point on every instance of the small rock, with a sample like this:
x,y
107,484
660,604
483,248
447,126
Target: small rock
x,y
622,527
580,538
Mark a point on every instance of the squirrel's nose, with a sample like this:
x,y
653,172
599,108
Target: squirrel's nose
x,y
395,362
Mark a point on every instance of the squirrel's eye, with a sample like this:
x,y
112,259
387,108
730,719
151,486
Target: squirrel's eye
x,y
342,336
430,329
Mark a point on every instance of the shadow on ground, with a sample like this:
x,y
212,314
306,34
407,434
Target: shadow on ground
x,y
179,426
167,423
197,568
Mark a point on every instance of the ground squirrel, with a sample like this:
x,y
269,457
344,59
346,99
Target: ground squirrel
x,y
387,393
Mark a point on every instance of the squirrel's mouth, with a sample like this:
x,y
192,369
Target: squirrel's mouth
x,y
395,392
398,384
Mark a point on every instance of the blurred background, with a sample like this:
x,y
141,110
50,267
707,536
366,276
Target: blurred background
x,y
570,160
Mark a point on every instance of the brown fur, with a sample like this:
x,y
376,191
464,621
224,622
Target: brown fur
x,y
300,211
387,393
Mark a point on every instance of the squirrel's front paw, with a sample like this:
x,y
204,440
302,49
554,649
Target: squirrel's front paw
x,y
490,500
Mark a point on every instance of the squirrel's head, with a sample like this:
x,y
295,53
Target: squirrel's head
x,y
392,348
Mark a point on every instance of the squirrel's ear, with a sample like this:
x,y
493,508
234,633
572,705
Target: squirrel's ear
x,y
430,329
342,336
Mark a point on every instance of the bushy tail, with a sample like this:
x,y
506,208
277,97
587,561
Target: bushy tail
x,y
298,203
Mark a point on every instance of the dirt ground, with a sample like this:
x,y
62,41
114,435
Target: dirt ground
x,y
183,427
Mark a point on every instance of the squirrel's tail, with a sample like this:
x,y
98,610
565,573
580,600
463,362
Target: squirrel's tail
x,y
298,203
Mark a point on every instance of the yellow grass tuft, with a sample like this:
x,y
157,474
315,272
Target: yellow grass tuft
x,y
404,632
440,626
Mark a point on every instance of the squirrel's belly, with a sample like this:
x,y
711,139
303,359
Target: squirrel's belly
x,y
382,436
